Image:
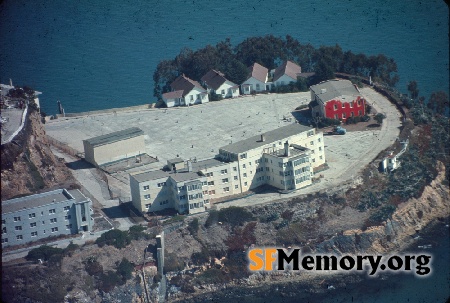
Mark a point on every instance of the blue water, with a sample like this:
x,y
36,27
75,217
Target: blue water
x,y
102,54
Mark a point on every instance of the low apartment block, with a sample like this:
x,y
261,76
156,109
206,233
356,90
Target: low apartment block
x,y
284,158
53,213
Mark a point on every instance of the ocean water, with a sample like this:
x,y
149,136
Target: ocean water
x,y
101,54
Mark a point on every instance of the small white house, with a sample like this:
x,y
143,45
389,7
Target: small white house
x,y
185,92
257,80
286,73
216,82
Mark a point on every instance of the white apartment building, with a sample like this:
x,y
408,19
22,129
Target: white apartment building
x,y
284,158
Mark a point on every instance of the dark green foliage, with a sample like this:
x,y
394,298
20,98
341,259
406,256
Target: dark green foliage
x,y
269,218
157,278
193,227
108,280
202,257
212,275
125,269
70,249
215,97
353,120
241,238
270,51
115,237
43,252
287,215
136,232
234,215
413,89
93,267
237,264
370,200
379,118
325,122
438,102
213,218
382,214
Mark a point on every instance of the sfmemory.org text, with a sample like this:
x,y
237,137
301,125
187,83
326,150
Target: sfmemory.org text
x,y
269,259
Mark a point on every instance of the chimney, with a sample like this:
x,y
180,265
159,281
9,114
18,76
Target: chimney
x,y
189,164
323,90
263,138
286,149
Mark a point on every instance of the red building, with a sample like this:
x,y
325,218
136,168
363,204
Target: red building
x,y
337,99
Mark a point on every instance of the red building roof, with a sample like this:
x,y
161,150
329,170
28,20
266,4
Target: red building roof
x,y
287,68
258,72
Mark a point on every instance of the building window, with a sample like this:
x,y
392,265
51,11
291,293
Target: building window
x,y
16,219
321,157
31,216
351,104
209,174
34,233
19,237
210,182
223,171
3,221
212,192
336,116
243,156
54,229
314,160
146,187
236,186
67,217
335,107
312,142
320,148
52,211
164,202
235,177
3,230
181,197
359,113
344,116
33,224
147,206
225,180
319,140
245,175
243,166
235,168
226,189
204,183
205,192
359,102
161,184
69,226
53,220
352,114
18,227
146,197
4,240
245,183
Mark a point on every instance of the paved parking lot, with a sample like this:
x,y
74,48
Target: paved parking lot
x,y
199,132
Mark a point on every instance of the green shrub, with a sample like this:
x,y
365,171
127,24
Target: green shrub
x,y
234,215
202,257
172,263
108,281
193,227
43,252
93,267
213,218
269,218
136,232
115,237
125,269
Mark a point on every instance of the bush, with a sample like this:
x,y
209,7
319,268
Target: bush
x,y
172,263
193,227
235,215
379,118
213,218
200,258
382,214
93,267
43,252
215,97
108,281
325,122
136,232
115,237
269,218
125,269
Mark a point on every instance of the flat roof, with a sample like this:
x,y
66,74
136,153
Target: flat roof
x,y
115,136
180,176
42,199
207,163
271,136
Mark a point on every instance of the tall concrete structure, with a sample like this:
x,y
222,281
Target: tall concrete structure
x,y
114,146
53,213
284,158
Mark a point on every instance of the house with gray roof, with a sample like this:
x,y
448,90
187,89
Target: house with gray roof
x,y
185,92
216,83
337,99
286,73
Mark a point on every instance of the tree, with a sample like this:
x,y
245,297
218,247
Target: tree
x,y
379,118
438,102
324,71
125,269
43,252
413,89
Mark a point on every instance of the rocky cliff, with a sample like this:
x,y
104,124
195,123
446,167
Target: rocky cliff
x,y
28,165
